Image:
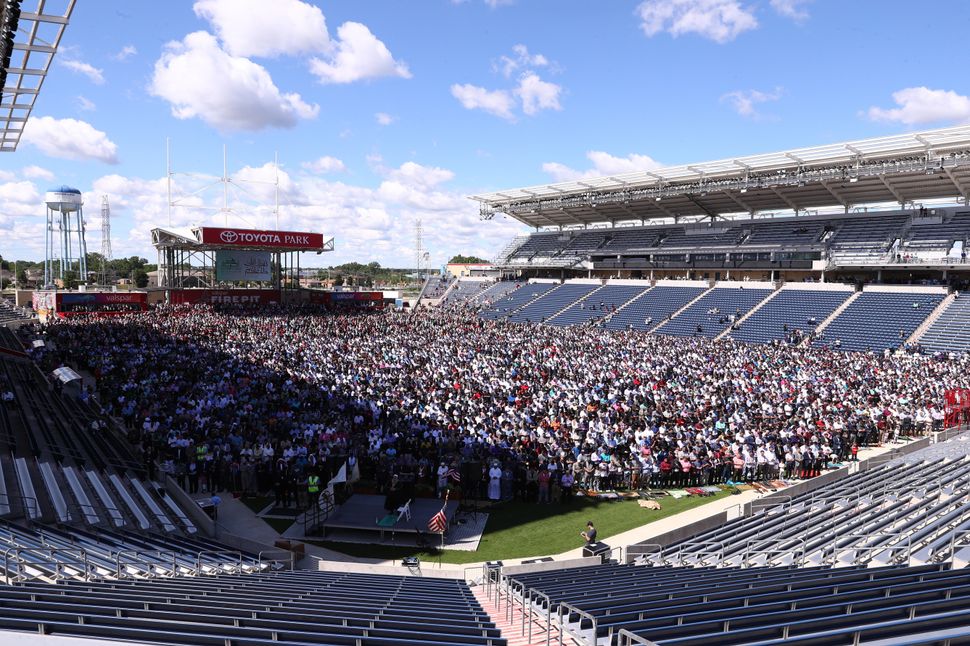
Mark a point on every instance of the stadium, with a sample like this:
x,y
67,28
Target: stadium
x,y
723,402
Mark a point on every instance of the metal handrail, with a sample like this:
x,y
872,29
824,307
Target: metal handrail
x,y
120,571
532,596
259,559
906,547
56,565
236,553
771,501
798,555
582,614
639,549
955,543
626,638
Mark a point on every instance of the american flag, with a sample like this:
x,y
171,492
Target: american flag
x,y
438,522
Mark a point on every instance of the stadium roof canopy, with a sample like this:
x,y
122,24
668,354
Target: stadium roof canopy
x,y
903,168
30,33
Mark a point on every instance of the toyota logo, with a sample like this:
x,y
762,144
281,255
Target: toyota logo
x,y
228,237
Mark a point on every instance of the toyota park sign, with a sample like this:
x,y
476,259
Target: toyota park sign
x,y
255,238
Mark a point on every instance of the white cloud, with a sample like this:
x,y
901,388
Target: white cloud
x,y
918,105
537,94
718,20
604,164
69,139
258,28
794,9
7,176
83,103
228,92
384,118
36,172
357,55
745,102
325,164
520,59
473,97
125,53
368,223
93,73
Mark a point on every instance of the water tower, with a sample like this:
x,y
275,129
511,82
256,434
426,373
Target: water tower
x,y
65,235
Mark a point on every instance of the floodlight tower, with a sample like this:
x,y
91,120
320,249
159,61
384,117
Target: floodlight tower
x,y
419,253
105,238
65,234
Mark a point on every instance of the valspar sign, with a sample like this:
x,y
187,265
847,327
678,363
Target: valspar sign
x,y
282,240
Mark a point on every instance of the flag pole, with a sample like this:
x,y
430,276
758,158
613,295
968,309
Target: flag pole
x,y
443,508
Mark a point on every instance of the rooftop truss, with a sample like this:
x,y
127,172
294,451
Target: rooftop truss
x,y
28,41
902,168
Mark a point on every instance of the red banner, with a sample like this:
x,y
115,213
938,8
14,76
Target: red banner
x,y
259,239
224,296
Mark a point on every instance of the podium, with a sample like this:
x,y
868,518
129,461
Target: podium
x,y
599,548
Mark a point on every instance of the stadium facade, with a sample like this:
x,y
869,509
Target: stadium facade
x,y
891,209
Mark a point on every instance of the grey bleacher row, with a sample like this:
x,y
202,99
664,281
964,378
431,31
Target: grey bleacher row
x,y
754,606
55,553
299,607
10,312
910,511
60,461
878,555
859,237
872,320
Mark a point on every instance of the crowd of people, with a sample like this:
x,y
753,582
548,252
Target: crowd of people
x,y
260,401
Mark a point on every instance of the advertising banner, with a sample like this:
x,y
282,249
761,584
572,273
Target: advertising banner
x,y
280,240
232,265
224,296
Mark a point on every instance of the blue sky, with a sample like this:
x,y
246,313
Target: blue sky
x,y
385,111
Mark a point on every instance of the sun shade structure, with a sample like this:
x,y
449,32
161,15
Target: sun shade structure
x,y
30,33
906,168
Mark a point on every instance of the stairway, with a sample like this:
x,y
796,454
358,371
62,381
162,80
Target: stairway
x,y
754,309
664,322
549,318
931,319
834,315
514,630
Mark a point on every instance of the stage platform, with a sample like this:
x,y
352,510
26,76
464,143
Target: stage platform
x,y
356,521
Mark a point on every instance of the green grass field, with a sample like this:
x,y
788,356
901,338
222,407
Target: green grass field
x,y
520,530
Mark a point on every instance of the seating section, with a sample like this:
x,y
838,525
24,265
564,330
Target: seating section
x,y
951,331
908,511
553,301
51,554
879,320
518,297
866,238
465,290
653,307
10,312
494,292
598,305
681,239
697,607
878,555
9,341
713,312
938,237
436,286
859,238
786,234
299,607
788,310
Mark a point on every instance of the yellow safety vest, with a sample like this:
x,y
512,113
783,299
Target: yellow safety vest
x,y
313,484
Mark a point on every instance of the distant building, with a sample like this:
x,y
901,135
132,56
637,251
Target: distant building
x,y
464,269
